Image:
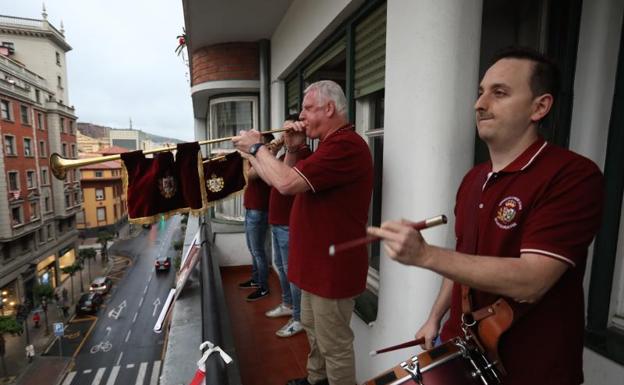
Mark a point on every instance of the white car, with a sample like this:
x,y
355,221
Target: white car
x,y
101,285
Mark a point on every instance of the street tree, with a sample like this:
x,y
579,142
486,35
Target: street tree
x,y
71,270
103,237
87,255
8,325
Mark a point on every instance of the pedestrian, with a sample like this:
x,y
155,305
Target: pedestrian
x,y
524,221
36,319
279,214
30,352
332,189
256,202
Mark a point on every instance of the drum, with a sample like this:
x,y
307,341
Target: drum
x,y
452,363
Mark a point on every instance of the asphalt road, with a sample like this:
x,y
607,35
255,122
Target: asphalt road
x,y
122,347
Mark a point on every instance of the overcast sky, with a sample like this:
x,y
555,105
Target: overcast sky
x,y
123,63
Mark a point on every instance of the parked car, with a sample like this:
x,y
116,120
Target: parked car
x,y
89,303
163,264
101,285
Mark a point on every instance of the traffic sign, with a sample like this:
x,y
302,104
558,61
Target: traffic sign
x,y
59,329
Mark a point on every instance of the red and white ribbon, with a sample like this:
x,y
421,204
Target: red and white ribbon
x,y
200,374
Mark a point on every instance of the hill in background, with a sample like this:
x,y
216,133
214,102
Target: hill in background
x,y
97,131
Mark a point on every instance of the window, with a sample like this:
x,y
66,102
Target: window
x,y
13,181
34,210
42,149
5,109
64,149
101,214
41,235
59,81
73,152
30,179
9,145
16,215
25,114
227,117
58,58
46,204
67,200
44,176
98,174
76,198
28,147
38,96
50,232
72,127
40,121
62,124
99,194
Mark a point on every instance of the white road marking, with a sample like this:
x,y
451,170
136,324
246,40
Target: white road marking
x,y
156,304
113,375
141,375
129,366
128,335
86,371
135,317
145,290
155,373
98,376
69,378
119,359
141,302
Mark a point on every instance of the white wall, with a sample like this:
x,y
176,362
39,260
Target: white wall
x,y
432,56
303,27
594,83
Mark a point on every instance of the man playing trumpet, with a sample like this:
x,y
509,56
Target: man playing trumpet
x,y
332,189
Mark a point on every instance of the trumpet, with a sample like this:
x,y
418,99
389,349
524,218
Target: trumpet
x,y
59,165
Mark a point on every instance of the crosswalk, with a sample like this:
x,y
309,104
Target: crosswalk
x,y
140,374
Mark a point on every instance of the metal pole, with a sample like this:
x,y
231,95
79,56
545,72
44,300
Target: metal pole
x,y
60,342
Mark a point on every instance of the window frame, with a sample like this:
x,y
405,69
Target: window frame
x,y
25,114
17,179
42,149
97,216
31,153
13,145
31,179
103,195
20,209
5,103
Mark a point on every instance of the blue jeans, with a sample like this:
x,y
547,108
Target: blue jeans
x,y
291,294
255,233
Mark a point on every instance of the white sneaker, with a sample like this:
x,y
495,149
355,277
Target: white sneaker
x,y
280,311
290,329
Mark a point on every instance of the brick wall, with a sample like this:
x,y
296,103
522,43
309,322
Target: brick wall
x,y
227,61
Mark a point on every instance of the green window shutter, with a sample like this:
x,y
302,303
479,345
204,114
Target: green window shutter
x,y
325,57
292,95
370,53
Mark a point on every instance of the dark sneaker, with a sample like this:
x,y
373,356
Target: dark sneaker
x,y
249,284
256,295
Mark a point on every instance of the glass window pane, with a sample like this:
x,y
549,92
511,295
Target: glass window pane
x,y
228,118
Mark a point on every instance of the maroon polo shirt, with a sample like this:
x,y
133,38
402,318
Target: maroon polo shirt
x,y
256,195
334,210
548,201
279,205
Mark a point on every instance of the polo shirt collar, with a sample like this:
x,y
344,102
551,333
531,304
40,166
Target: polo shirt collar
x,y
525,159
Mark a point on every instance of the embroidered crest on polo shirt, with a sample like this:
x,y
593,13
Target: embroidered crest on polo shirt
x,y
215,183
167,186
507,212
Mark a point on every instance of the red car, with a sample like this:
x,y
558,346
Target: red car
x,y
163,264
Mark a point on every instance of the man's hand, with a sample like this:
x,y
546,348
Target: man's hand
x,y
401,242
246,139
295,136
430,331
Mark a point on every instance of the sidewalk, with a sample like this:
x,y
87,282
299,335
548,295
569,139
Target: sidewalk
x,y
15,357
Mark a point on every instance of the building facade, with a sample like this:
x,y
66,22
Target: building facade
x,y
127,138
38,233
410,70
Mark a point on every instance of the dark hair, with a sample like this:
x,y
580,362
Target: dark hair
x,y
268,138
294,117
545,76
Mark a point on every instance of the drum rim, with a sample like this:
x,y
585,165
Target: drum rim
x,y
441,361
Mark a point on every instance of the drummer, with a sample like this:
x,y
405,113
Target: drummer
x,y
524,221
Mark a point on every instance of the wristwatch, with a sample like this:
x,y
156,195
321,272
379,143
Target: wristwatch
x,y
254,148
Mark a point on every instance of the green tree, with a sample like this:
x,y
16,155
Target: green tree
x,y
71,270
8,325
103,237
42,291
87,255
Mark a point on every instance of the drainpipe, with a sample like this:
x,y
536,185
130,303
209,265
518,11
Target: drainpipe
x,y
265,82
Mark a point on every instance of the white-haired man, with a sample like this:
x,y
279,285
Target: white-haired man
x,y
333,188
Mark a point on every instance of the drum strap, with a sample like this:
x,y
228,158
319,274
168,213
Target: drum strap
x,y
493,320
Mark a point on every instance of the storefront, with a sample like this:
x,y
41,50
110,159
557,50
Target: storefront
x,y
67,257
9,298
46,271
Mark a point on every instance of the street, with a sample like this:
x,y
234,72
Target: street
x,y
121,347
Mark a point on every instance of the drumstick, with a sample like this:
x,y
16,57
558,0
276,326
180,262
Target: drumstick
x,y
435,221
417,341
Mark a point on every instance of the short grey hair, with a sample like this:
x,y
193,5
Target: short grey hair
x,y
328,90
